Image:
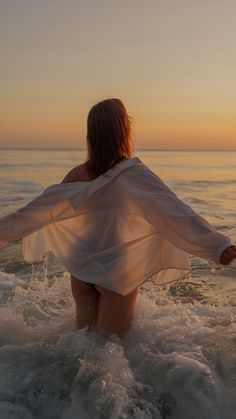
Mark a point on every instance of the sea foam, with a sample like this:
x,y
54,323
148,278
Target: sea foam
x,y
177,360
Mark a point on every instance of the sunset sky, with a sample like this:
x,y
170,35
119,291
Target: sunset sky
x,y
172,63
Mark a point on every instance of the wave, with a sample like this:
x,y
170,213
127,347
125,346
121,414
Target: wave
x,y
20,186
211,183
177,360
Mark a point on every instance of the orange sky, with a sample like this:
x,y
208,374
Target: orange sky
x,y
172,63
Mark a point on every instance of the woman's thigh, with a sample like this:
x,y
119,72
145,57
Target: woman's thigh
x,y
86,300
115,311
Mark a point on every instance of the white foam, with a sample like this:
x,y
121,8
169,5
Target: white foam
x,y
177,360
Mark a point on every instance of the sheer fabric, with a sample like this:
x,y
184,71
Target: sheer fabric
x,y
117,231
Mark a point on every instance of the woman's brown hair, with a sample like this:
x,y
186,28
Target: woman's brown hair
x,y
109,136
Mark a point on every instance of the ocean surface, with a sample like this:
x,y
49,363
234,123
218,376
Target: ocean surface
x,y
177,361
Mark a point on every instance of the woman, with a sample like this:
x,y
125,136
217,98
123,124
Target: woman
x,y
113,223
109,141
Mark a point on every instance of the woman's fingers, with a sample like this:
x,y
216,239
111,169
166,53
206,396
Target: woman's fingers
x,y
226,261
228,255
231,251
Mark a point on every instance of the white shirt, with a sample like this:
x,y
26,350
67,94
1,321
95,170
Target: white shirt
x,y
118,230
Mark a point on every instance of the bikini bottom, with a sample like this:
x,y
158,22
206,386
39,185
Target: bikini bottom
x,y
89,284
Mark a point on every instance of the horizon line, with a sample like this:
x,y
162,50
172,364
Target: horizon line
x,y
139,149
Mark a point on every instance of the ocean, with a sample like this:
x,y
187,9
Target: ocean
x,y
178,360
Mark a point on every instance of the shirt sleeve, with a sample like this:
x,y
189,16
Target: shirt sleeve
x,y
57,202
174,219
42,211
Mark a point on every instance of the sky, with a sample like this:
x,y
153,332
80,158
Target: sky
x,y
171,62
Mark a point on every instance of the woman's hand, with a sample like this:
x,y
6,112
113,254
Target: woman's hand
x,y
228,255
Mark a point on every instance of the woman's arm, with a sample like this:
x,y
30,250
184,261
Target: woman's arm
x,y
174,219
52,205
25,220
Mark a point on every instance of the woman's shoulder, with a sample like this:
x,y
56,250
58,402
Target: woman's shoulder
x,y
77,174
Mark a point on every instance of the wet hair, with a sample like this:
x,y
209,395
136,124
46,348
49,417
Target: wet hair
x,y
109,136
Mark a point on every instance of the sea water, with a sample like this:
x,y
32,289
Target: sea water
x,y
178,360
